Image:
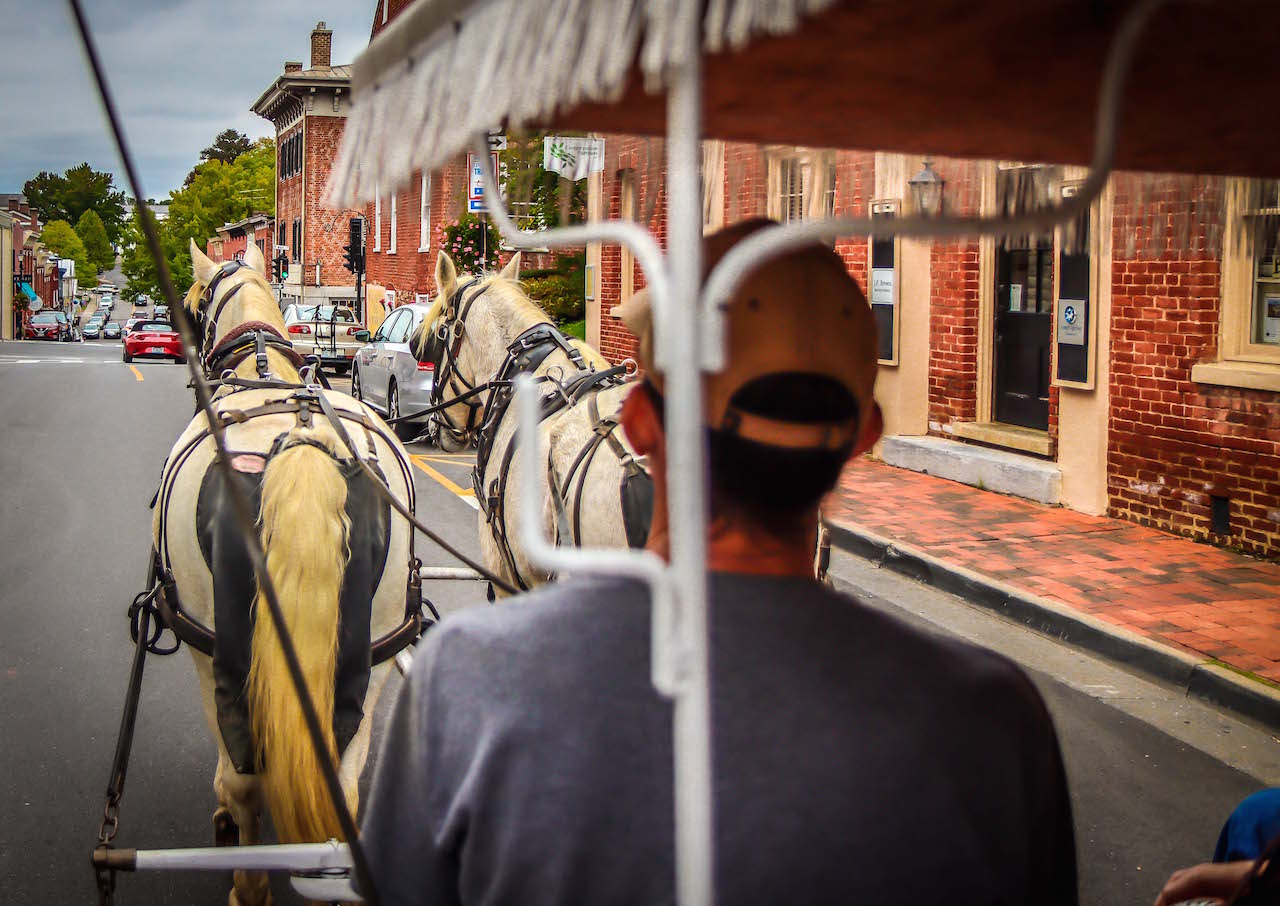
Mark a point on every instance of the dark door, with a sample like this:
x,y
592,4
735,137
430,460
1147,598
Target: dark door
x,y
1024,307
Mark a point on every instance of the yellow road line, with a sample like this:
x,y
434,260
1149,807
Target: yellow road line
x,y
136,373
467,494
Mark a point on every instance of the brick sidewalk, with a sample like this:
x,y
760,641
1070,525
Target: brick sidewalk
x,y
1192,596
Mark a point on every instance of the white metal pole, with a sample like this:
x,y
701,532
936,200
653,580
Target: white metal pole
x,y
686,465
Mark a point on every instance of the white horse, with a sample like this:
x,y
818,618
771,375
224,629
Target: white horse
x,y
475,323
333,553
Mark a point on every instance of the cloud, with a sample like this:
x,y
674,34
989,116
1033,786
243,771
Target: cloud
x,y
181,73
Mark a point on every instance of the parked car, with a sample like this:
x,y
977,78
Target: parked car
x,y
386,372
111,330
328,331
131,323
93,330
153,339
44,326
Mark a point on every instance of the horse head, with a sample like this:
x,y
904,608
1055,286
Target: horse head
x,y
460,329
228,295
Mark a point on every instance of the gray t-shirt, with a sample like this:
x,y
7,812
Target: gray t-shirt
x,y
857,760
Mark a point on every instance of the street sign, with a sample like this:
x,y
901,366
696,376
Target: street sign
x,y
475,181
497,140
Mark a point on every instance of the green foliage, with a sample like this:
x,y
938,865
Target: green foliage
x,y
62,240
541,198
227,146
472,243
79,189
94,236
218,193
575,328
562,290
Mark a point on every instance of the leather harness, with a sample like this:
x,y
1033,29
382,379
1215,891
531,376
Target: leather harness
x,y
304,403
524,355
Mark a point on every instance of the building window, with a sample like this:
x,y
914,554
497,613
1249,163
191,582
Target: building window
x,y
712,185
628,209
297,240
1249,325
802,185
391,241
424,215
377,219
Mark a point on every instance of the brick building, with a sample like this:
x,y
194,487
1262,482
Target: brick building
x,y
308,108
232,239
1129,366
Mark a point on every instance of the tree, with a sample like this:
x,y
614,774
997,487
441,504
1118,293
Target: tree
x,y
62,240
79,189
94,236
218,193
229,145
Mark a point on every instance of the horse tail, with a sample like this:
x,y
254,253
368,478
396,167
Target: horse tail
x,y
305,533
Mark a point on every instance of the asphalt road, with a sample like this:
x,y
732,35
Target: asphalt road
x,y
1152,775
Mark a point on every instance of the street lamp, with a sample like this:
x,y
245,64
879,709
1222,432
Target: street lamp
x,y
926,190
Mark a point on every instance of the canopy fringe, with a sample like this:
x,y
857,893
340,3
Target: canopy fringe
x,y
515,63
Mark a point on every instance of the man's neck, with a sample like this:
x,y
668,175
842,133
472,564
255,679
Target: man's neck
x,y
734,550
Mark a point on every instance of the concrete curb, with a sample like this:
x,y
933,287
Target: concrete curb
x,y
1200,677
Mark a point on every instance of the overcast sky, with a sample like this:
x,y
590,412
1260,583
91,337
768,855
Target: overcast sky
x,y
181,72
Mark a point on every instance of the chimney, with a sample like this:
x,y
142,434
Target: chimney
x,y
321,47
292,66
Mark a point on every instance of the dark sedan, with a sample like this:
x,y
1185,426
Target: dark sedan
x,y
111,330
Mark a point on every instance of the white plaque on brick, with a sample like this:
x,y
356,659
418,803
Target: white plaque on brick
x,y
882,286
1071,321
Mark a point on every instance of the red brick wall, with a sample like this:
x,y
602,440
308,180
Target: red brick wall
x,y
644,157
225,249
288,193
325,229
1174,443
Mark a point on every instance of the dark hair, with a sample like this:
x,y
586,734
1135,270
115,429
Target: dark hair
x,y
771,485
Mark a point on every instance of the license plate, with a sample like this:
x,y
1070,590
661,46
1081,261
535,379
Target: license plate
x,y
157,349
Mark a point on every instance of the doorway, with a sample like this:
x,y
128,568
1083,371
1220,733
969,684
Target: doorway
x,y
1023,313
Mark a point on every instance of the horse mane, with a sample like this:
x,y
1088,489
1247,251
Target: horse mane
x,y
255,295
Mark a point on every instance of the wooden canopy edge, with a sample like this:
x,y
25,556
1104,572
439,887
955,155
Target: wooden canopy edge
x,y
1003,79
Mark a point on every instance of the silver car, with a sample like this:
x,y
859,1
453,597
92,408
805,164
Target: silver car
x,y
387,374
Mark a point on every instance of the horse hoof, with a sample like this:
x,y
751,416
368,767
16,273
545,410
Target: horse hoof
x,y
225,831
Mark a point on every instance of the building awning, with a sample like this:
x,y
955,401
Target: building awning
x,y
27,291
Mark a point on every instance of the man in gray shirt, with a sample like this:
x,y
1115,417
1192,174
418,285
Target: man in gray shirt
x,y
856,759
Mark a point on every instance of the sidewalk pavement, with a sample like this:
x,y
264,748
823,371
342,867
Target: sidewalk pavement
x,y
1207,603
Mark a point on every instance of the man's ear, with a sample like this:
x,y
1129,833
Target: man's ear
x,y
640,421
872,428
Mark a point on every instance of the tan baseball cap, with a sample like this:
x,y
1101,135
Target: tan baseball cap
x,y
800,313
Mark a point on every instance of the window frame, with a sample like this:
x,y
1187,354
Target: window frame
x,y
424,214
377,219
811,163
391,238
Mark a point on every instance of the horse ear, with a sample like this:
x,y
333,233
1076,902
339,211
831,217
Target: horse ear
x,y
446,276
512,270
253,258
202,266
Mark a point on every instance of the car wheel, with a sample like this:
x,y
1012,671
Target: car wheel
x,y
403,430
341,369
128,358
355,383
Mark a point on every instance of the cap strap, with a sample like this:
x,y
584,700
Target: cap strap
x,y
775,432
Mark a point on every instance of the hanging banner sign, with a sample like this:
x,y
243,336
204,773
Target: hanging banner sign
x,y
572,158
475,181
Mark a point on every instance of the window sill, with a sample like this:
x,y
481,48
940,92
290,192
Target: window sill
x,y
998,434
1247,375
424,248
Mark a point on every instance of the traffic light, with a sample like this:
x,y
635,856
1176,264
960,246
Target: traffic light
x,y
280,268
353,251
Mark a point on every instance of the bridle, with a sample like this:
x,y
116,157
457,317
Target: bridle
x,y
451,331
251,337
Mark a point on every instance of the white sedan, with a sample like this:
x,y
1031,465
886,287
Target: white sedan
x,y
328,331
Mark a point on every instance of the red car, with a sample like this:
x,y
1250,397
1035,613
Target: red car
x,y
155,339
44,326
